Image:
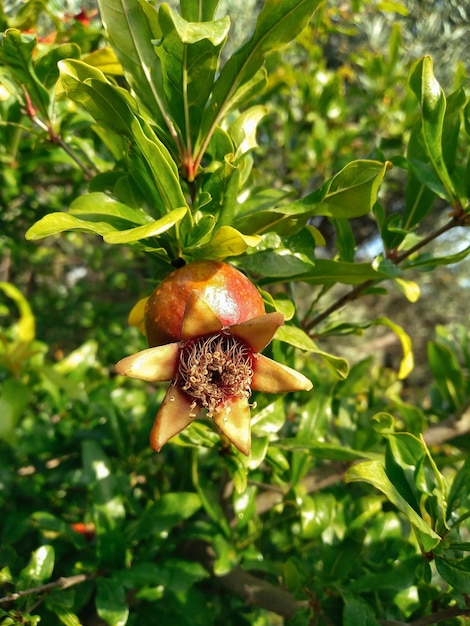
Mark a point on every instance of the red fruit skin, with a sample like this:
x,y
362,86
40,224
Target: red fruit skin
x,y
229,292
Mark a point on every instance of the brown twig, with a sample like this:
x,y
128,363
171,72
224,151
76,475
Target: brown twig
x,y
458,219
64,582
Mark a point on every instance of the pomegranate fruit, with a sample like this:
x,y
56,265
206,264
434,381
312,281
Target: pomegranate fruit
x,y
227,291
206,325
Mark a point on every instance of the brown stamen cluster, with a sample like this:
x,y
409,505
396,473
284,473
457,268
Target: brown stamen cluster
x,y
214,368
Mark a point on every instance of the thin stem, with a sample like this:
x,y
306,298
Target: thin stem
x,y
60,142
61,583
460,218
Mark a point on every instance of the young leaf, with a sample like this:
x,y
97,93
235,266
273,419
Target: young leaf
x,y
152,229
198,10
130,27
352,192
433,106
279,22
16,52
189,55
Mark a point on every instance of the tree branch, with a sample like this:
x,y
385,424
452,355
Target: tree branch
x,y
61,583
457,219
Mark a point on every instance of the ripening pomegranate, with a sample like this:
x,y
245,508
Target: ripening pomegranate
x,y
206,325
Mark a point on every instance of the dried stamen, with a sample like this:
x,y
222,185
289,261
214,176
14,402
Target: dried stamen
x,y
214,368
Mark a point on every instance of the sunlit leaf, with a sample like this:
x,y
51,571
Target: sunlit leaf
x,y
433,105
373,473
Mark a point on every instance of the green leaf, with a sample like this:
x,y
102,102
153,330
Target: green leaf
x,y
98,472
350,193
55,223
113,108
40,566
161,516
16,52
151,229
100,204
25,328
110,602
324,450
373,472
282,264
407,362
447,374
244,129
130,27
279,22
433,106
456,572
198,10
227,241
297,337
356,610
189,54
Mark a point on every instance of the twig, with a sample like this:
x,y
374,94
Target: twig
x,y
56,139
61,583
457,219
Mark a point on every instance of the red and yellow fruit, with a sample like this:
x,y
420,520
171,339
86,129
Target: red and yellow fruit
x,y
206,325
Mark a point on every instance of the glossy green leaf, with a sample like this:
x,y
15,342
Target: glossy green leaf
x,y
227,241
40,566
433,105
324,450
16,53
152,229
420,193
243,131
316,512
281,264
99,204
189,55
373,472
131,26
297,337
113,108
456,572
198,10
400,576
55,223
352,192
105,60
111,603
278,23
